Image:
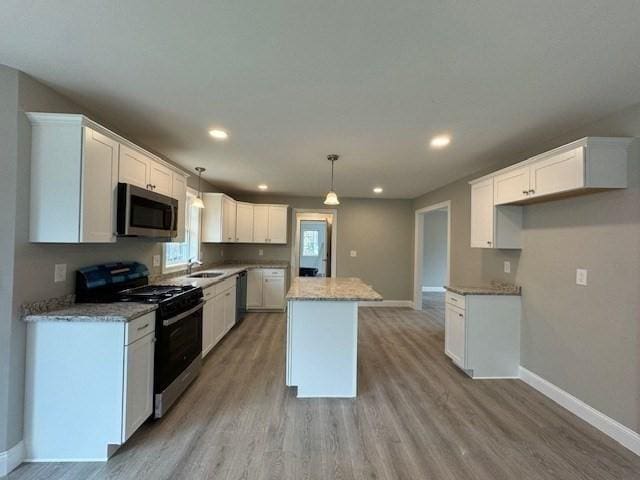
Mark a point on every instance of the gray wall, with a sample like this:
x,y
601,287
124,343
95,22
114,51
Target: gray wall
x,y
434,258
381,231
583,339
27,272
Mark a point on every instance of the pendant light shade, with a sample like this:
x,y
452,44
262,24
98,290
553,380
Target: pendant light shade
x,y
332,196
197,202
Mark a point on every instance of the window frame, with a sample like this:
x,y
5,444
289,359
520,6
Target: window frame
x,y
191,193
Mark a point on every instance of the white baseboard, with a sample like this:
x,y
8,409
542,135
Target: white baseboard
x,y
607,425
10,459
433,289
387,303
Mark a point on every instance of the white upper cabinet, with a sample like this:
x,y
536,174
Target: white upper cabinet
x,y
557,173
179,192
134,167
511,186
244,222
482,214
74,175
225,221
76,165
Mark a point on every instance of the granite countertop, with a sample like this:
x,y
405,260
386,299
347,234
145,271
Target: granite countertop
x,y
93,312
494,289
227,270
345,289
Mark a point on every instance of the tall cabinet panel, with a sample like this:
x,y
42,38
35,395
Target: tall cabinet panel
x,y
277,224
260,223
244,222
134,167
482,212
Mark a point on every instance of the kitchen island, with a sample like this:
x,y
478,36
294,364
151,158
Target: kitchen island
x,y
322,335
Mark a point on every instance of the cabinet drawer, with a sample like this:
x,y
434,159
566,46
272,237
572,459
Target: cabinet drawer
x,y
225,285
455,299
273,272
209,292
139,327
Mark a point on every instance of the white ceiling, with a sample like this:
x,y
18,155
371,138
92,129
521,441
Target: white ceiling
x,y
371,80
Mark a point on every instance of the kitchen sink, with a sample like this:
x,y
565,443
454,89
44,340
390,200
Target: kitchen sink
x,y
205,275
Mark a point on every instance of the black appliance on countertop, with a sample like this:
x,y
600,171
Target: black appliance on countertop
x,y
178,348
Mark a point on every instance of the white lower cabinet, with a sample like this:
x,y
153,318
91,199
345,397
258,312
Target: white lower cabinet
x,y
482,334
89,387
219,313
266,289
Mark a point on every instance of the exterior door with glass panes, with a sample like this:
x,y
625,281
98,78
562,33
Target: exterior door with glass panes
x,y
313,248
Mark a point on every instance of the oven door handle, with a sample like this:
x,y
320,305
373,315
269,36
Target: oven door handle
x,y
177,318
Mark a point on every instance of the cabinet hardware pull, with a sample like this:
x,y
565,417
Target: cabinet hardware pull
x,y
143,327
488,242
525,192
460,315
532,191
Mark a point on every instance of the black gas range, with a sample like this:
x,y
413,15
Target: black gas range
x,y
178,347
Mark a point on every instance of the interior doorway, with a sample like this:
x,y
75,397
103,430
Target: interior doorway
x,y
315,242
432,256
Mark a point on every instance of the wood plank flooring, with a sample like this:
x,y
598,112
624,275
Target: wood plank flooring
x,y
415,417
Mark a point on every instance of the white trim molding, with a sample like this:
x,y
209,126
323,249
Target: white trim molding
x,y
11,459
607,425
433,289
387,303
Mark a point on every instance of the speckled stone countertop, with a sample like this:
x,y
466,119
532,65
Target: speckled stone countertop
x,y
495,289
345,289
227,270
94,312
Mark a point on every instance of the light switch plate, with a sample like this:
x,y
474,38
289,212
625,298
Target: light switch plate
x,y
60,272
581,277
156,260
260,252
353,253
507,267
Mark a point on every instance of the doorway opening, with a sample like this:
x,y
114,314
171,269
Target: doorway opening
x,y
315,242
432,257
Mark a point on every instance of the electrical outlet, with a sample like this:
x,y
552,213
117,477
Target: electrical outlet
x,y
60,272
581,277
156,260
353,253
260,252
507,267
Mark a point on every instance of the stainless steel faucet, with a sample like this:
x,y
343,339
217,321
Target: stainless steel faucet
x,y
190,265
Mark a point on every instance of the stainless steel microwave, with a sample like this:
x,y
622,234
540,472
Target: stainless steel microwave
x,y
143,213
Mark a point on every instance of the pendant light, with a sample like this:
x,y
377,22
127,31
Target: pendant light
x,y
332,197
197,202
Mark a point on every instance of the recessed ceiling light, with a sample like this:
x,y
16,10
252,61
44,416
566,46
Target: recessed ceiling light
x,y
218,134
377,190
440,141
262,186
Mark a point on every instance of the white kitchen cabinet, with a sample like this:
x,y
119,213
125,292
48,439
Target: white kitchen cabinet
x,y
493,226
270,224
557,173
511,186
138,384
482,334
229,299
218,319
89,386
218,218
266,289
244,222
219,313
160,179
208,327
179,192
135,167
74,176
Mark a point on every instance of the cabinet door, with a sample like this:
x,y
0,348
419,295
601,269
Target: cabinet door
x,y
254,288
208,327
218,318
260,223
229,309
559,173
511,186
482,212
99,183
244,222
138,384
273,292
212,218
179,192
160,179
228,220
277,224
134,167
455,334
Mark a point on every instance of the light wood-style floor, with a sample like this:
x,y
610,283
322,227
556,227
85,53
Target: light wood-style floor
x,y
416,417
